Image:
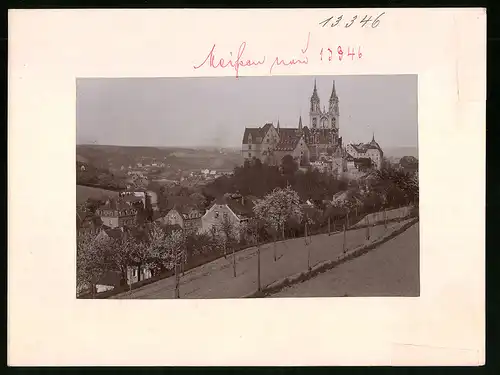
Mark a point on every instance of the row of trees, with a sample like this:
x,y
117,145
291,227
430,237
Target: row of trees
x,y
158,250
161,249
258,179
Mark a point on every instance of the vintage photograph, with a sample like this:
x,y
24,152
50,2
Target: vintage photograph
x,y
264,187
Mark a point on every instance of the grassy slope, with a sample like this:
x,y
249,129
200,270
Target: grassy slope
x,y
85,192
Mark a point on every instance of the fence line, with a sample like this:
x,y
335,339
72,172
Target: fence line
x,y
333,228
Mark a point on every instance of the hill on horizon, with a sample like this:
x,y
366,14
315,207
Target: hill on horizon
x,y
102,156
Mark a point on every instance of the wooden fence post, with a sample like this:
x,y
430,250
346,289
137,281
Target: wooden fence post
x,y
177,274
344,240
368,230
305,232
258,268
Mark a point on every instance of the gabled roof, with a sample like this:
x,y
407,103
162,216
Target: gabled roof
x,y
179,201
81,217
115,233
363,147
188,212
257,134
288,139
241,209
86,220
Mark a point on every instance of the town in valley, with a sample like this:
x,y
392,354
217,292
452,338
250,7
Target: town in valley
x,y
293,210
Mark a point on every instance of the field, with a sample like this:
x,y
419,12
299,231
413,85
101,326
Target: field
x,y
85,192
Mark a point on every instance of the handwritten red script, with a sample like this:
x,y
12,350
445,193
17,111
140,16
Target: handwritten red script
x,y
304,60
212,61
221,63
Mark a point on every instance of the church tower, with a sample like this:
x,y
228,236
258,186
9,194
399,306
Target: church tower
x,y
333,109
315,110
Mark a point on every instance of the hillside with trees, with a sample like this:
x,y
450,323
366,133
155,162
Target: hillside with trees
x,y
257,179
89,175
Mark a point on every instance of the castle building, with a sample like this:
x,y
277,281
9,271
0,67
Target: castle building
x,y
319,141
305,143
371,151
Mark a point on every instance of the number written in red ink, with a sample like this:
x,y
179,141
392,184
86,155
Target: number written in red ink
x,y
327,53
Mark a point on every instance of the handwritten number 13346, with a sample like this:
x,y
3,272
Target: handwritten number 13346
x,y
329,54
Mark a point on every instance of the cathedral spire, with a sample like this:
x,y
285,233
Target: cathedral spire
x,y
300,123
334,93
315,97
278,125
373,137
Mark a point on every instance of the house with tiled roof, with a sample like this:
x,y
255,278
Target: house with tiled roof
x,y
236,208
258,142
88,223
371,150
187,217
118,212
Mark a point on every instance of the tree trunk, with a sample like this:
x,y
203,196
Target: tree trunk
x,y
309,258
184,255
177,274
368,231
139,272
329,226
258,268
275,249
344,241
225,249
234,263
283,232
305,232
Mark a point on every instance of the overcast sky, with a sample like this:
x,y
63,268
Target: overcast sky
x,y
214,111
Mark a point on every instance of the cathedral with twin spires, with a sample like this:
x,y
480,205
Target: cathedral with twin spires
x,y
319,141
